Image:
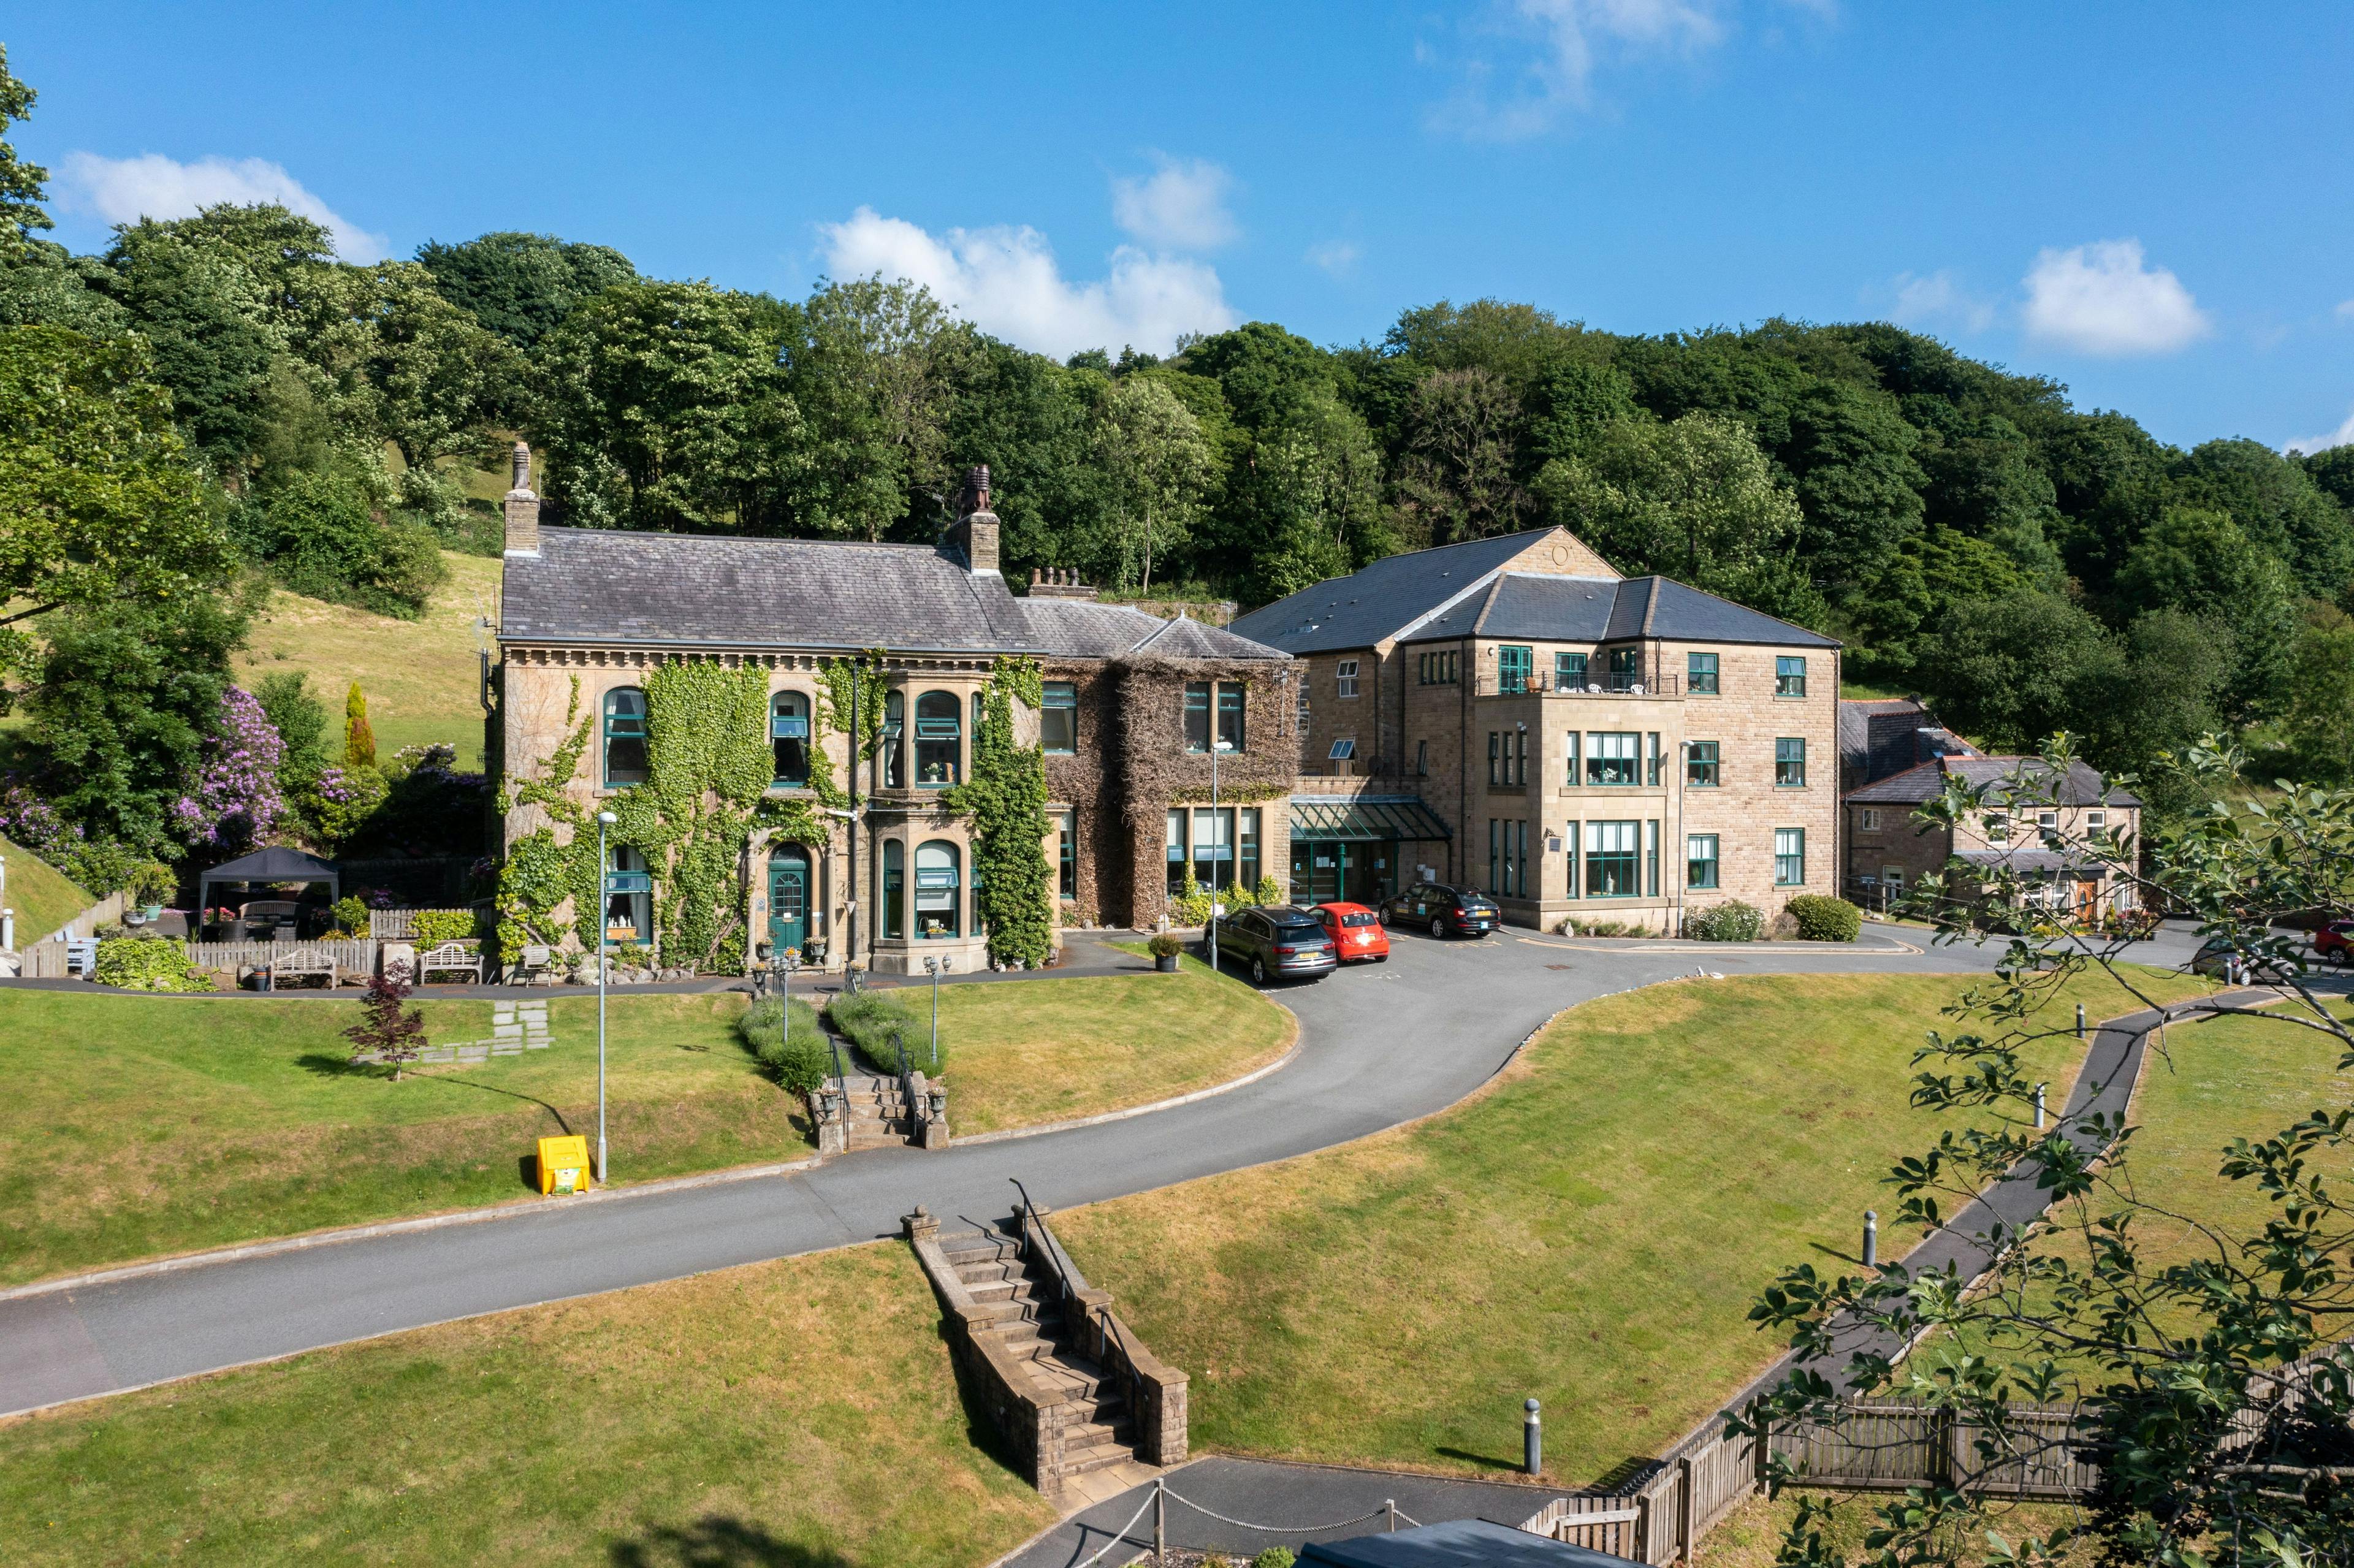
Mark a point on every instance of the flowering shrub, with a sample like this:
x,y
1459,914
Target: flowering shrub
x,y
236,801
28,818
148,963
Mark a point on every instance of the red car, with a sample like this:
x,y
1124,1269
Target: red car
x,y
2332,942
1357,933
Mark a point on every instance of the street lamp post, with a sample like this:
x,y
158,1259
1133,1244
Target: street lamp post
x,y
604,936
935,968
1217,830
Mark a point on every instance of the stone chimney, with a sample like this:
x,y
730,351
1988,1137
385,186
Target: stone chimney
x,y
975,529
523,508
1057,582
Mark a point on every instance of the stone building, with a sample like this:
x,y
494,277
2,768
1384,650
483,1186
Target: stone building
x,y
1132,707
1511,714
1890,849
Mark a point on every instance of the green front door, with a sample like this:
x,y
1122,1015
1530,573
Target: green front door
x,y
789,880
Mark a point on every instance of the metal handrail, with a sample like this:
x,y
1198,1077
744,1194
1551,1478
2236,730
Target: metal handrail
x,y
1070,1290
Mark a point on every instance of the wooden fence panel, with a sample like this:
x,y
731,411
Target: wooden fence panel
x,y
355,960
1597,1523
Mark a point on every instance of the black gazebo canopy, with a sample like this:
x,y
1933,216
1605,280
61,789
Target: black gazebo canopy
x,y
276,864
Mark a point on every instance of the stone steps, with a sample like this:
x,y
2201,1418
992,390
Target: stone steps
x,y
1028,1322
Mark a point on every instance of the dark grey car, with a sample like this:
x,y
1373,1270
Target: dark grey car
x,y
1277,942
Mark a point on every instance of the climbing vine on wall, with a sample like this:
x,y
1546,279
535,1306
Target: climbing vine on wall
x,y
834,710
540,873
1006,796
708,764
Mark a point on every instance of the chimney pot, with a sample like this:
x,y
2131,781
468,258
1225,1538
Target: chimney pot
x,y
521,508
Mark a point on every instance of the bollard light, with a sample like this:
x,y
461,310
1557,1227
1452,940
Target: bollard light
x,y
1870,1239
2080,1020
1532,1441
2039,1108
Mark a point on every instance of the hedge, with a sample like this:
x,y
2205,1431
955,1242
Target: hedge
x,y
876,1022
796,1055
1825,920
431,927
148,963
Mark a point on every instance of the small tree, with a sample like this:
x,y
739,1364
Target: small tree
x,y
387,1031
359,740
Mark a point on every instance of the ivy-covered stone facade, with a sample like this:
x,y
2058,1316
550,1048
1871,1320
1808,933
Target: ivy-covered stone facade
x,y
836,750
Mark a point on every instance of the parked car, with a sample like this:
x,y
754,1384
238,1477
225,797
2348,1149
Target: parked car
x,y
1278,941
2335,941
2216,954
1447,911
1356,931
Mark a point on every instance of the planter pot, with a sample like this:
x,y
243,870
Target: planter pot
x,y
1167,966
153,911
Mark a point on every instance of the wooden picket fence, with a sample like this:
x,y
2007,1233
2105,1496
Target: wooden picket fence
x,y
1872,1445
45,959
355,957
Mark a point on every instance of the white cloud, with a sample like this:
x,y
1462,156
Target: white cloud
x,y
1005,280
1335,256
1564,43
1181,208
2342,436
2104,299
2346,310
124,190
1938,299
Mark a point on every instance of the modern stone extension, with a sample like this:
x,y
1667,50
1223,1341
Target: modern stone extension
x,y
1066,1383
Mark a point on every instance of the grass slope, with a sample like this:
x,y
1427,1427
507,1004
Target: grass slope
x,y
799,1413
39,894
422,679
1083,1046
137,1125
1591,1230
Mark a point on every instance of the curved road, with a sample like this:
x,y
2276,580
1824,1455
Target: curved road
x,y
1380,1045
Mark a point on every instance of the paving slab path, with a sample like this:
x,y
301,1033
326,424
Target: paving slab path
x,y
1380,1044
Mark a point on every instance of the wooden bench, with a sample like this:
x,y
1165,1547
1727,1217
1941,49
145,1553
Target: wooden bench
x,y
303,963
447,957
533,968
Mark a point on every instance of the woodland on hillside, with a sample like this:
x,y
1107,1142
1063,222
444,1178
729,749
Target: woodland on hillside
x,y
216,402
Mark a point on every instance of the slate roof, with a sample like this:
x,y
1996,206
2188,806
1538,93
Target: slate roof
x,y
605,586
1928,781
1541,607
1881,736
1079,628
1456,1543
1379,601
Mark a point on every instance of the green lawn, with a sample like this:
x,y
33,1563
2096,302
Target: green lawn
x,y
801,1413
142,1126
39,894
422,679
1591,1231
1086,1045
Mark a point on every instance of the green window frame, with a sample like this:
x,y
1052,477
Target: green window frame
x,y
789,739
1700,765
1513,662
1790,857
1569,672
1700,674
1700,860
1569,773
1789,676
625,737
1230,714
939,741
1197,714
1066,846
1612,853
1625,669
1791,762
1614,756
1495,759
1058,718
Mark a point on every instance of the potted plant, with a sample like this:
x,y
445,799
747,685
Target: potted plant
x,y
150,886
1165,949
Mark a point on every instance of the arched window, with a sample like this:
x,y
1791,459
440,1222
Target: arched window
x,y
894,890
937,892
894,752
788,733
625,737
938,740
628,914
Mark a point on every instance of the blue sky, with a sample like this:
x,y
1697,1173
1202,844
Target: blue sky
x,y
2148,202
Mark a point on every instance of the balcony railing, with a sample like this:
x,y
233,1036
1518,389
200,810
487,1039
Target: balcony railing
x,y
1542,682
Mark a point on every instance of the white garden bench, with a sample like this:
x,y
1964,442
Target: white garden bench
x,y
301,963
447,958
